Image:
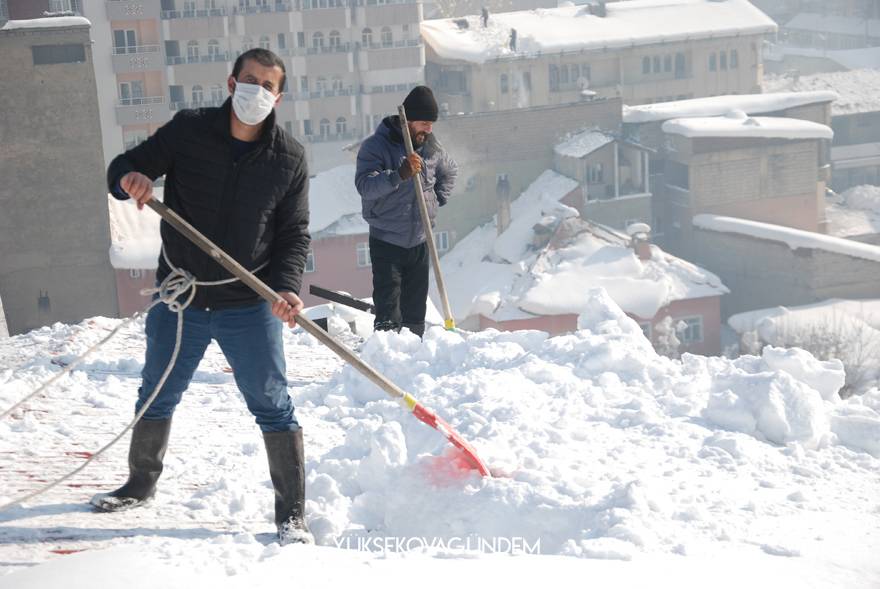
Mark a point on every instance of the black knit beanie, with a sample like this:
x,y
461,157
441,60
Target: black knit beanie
x,y
420,105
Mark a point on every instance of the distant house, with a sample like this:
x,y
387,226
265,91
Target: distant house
x,y
134,251
535,273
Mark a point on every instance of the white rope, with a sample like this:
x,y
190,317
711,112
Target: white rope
x,y
174,286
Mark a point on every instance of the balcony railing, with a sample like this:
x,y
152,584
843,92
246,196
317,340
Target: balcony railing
x,y
347,136
180,59
197,104
140,100
393,45
272,7
388,89
323,50
135,49
202,13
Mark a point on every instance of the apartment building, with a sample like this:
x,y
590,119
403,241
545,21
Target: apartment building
x,y
349,63
614,50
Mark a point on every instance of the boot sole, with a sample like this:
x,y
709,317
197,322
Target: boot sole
x,y
107,503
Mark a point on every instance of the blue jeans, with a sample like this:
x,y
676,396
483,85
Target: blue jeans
x,y
251,340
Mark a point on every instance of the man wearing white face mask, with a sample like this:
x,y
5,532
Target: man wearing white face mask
x,y
242,181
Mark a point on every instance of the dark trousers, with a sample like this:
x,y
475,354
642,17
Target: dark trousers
x,y
400,285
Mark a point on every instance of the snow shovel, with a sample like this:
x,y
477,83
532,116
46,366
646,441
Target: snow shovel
x,y
426,223
420,411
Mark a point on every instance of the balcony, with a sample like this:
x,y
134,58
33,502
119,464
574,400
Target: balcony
x,y
179,59
325,18
318,94
401,54
174,14
142,110
200,70
196,24
327,137
136,59
210,102
131,9
269,7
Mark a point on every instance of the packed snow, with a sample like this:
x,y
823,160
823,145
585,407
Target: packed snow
x,y
583,144
856,90
794,238
752,104
855,211
738,124
135,242
46,23
519,280
574,28
613,464
334,203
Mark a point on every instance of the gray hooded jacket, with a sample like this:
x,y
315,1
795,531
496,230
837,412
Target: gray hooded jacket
x,y
389,203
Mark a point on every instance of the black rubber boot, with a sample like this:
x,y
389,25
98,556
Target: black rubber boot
x,y
287,470
149,440
416,328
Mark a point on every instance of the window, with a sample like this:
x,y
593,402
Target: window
x,y
504,86
594,173
667,63
734,59
74,6
264,42
321,84
712,62
387,37
4,11
307,127
442,241
363,255
337,83
722,58
527,80
406,34
586,74
325,128
197,95
300,39
657,67
340,126
192,51
554,78
49,54
367,37
124,41
318,40
646,65
335,39
563,75
214,49
217,94
282,41
131,93
692,332
679,65
135,273
310,262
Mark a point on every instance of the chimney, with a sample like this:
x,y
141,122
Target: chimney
x,y
502,194
640,240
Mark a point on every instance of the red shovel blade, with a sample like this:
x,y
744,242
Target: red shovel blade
x,y
426,415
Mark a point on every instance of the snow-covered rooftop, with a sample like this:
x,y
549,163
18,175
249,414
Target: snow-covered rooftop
x,y
582,144
834,24
793,238
573,28
334,203
738,124
47,23
519,281
134,234
854,212
713,106
858,90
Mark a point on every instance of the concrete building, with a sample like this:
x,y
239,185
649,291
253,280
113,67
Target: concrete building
x,y
614,50
348,63
54,232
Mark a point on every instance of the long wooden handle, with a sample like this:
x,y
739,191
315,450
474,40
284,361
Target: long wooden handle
x,y
426,222
262,289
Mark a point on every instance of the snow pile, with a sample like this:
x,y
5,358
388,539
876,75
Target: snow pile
x,y
47,23
604,451
856,89
738,124
582,144
714,106
135,242
334,203
855,211
574,28
794,238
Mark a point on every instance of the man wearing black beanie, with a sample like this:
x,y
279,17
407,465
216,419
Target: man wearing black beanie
x,y
384,179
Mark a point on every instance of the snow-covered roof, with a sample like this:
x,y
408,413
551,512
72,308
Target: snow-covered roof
x,y
853,59
47,23
334,203
134,234
858,90
854,212
573,28
583,144
714,106
740,125
519,281
770,322
834,24
793,238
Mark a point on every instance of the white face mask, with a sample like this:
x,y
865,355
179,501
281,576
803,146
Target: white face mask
x,y
252,103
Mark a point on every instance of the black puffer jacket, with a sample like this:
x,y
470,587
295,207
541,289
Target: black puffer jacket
x,y
255,209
